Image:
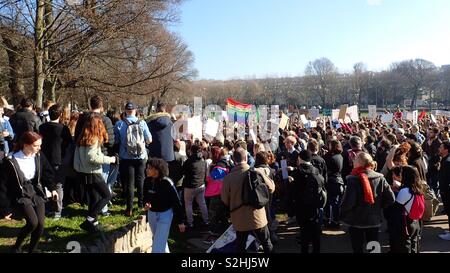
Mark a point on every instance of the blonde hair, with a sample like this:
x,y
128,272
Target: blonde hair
x,y
365,160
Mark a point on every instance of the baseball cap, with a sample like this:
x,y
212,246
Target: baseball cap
x,y
130,106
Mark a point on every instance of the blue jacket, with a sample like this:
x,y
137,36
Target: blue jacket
x,y
120,135
6,126
160,126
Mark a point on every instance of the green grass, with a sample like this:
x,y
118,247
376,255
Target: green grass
x,y
58,233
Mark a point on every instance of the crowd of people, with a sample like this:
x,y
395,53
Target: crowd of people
x,y
355,176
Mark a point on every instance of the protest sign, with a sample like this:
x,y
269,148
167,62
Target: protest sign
x,y
351,114
314,114
211,127
335,114
387,118
194,126
283,122
303,119
226,242
342,112
372,111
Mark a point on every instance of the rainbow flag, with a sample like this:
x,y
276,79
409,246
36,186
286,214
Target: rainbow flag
x,y
237,111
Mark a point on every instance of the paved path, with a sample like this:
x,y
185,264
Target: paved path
x,y
337,241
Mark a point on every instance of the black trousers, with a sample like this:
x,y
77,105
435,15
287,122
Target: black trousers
x,y
263,236
132,173
35,218
361,236
98,193
407,241
310,232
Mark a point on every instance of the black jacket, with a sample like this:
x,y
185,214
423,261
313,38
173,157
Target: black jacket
x,y
56,139
295,196
162,195
194,170
22,121
13,187
108,147
291,158
444,174
318,162
334,167
371,149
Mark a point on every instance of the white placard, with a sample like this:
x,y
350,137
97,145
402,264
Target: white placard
x,y
387,118
433,118
352,114
372,111
335,114
195,127
228,237
303,119
284,171
253,135
283,122
211,127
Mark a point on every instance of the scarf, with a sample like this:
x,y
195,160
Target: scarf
x,y
367,189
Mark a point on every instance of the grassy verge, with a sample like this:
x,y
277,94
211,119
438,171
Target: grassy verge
x,y
58,233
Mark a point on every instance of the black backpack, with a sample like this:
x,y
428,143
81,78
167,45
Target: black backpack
x,y
310,191
255,192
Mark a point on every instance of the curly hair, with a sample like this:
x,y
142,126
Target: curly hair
x,y
160,165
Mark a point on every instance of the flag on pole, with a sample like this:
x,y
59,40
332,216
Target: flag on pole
x,y
422,115
237,111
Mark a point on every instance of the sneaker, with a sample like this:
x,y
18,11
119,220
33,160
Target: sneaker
x,y
57,216
106,214
445,236
89,226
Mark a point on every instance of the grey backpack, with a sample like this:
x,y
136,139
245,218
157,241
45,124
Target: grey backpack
x,y
135,141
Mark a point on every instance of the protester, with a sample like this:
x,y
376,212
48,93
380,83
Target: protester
x,y
56,139
24,119
160,126
367,193
194,170
24,179
307,187
162,203
444,179
131,135
88,161
245,219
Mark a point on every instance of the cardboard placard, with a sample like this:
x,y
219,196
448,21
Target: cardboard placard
x,y
387,118
283,122
314,114
343,111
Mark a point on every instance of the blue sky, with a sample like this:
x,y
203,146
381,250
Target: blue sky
x,y
258,38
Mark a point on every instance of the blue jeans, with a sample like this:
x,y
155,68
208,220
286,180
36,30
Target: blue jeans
x,y
160,226
105,175
112,176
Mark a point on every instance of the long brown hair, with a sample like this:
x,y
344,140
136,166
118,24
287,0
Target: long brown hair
x,y
93,131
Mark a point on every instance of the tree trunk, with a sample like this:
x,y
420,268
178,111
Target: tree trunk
x,y
39,51
15,62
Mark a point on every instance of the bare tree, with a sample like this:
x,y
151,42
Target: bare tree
x,y
321,73
417,76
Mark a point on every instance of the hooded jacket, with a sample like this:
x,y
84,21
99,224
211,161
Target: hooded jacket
x,y
160,125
